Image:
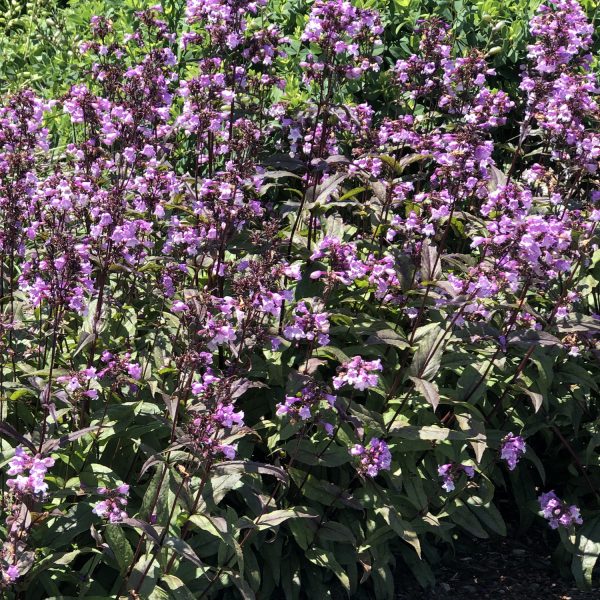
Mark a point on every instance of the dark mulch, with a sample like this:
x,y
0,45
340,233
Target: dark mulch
x,y
496,569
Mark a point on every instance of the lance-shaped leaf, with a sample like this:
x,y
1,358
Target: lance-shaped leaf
x,y
9,431
182,548
427,432
248,466
145,527
428,356
431,266
327,560
588,552
388,337
537,400
404,529
119,545
52,445
275,518
178,589
475,431
428,390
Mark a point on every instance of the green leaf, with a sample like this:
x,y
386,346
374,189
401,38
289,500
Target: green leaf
x,y
277,517
242,586
215,526
388,337
488,514
475,431
427,359
537,400
323,453
324,492
588,551
218,527
531,337
178,590
326,559
156,498
119,545
353,192
336,532
241,466
183,549
463,516
332,353
401,527
427,432
428,390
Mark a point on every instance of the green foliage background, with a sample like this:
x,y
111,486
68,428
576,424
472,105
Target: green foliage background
x,y
39,38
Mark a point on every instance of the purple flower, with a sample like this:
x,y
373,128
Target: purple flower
x,y
342,258
213,419
374,457
308,325
558,513
113,506
10,574
450,471
305,403
33,481
134,370
179,306
225,415
346,36
513,447
358,373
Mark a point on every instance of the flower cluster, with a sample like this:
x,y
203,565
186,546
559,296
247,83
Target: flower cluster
x,y
199,252
511,450
213,418
374,457
562,34
450,471
558,513
561,90
345,36
344,264
112,507
307,325
304,403
358,373
30,471
10,574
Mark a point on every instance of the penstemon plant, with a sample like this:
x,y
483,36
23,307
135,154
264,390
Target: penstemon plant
x,y
264,343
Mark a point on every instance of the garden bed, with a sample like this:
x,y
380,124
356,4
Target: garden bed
x,y
496,568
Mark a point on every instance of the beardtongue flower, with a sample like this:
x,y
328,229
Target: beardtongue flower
x,y
513,447
345,35
308,325
305,403
450,471
113,506
33,481
559,513
358,373
10,574
373,458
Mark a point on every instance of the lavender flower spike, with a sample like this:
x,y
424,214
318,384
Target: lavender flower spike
x,y
513,447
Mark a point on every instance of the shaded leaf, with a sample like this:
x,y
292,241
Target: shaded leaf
x,y
276,517
428,390
404,529
588,551
326,559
